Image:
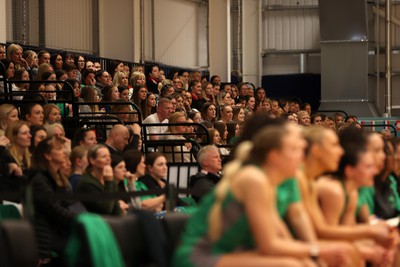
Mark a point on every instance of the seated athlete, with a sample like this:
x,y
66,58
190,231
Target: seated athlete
x,y
238,224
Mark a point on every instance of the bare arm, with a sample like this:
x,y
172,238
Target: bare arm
x,y
257,196
331,199
153,203
300,222
332,232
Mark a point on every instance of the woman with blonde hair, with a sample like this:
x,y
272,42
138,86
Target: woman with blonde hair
x,y
241,212
207,93
17,156
224,98
8,114
120,79
323,155
138,78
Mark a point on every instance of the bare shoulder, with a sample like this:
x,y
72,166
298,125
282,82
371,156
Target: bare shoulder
x,y
249,179
329,187
250,175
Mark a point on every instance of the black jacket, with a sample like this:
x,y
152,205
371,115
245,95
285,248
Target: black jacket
x,y
52,219
202,183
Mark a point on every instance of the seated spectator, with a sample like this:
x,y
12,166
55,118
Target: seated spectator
x,y
110,94
156,167
124,93
79,163
56,129
52,219
153,78
136,168
203,182
209,112
117,139
14,53
151,104
75,86
197,100
178,153
238,115
123,110
338,118
264,105
233,132
316,119
33,114
98,179
329,123
8,114
85,136
57,61
307,107
17,156
164,110
120,173
386,134
88,78
103,78
224,98
10,70
120,79
139,97
38,134
304,118
88,94
20,75
226,113
51,114
138,78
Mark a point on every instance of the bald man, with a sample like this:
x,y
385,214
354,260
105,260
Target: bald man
x,y
117,139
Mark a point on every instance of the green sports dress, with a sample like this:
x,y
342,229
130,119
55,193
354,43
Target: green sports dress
x,y
197,249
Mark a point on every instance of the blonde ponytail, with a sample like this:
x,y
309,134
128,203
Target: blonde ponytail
x,y
230,169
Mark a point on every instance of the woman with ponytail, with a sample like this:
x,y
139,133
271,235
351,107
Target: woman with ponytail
x,y
238,224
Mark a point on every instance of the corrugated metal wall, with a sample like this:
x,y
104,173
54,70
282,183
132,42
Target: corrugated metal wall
x,y
69,25
290,25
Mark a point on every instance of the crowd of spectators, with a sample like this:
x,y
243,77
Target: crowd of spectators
x,y
35,149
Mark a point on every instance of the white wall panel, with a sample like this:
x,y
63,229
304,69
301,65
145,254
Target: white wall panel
x,y
8,19
69,25
290,25
176,32
116,29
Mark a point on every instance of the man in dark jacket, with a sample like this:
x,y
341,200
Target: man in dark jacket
x,y
210,162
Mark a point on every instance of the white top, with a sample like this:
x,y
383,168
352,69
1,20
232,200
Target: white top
x,y
153,118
